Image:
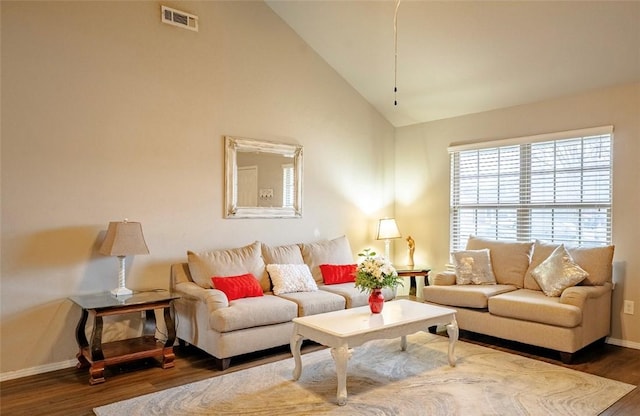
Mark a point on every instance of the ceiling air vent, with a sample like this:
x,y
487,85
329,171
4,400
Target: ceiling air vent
x,y
178,18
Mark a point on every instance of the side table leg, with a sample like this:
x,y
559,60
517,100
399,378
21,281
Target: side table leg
x,y
168,355
82,360
341,355
296,343
96,340
96,373
453,332
171,327
149,324
81,339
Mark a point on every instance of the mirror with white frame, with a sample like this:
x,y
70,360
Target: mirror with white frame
x,y
263,179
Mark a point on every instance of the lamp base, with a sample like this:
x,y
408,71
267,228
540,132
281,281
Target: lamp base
x,y
122,291
386,248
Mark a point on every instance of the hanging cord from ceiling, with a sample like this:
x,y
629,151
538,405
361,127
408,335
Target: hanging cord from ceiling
x,y
395,46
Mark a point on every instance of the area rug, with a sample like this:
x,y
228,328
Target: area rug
x,y
383,380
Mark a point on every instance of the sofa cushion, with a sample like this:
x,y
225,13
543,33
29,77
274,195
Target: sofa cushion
x,y
286,254
466,296
535,306
336,251
252,312
311,303
558,272
510,260
237,287
289,278
597,261
231,262
338,273
473,267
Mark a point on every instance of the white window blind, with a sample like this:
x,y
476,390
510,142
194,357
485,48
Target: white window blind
x,y
287,185
551,189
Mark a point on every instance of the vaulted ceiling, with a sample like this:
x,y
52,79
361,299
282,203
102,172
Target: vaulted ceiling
x,y
462,57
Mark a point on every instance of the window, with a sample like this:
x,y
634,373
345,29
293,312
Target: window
x,y
287,185
554,187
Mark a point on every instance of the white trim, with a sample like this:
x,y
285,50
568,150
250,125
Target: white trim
x,y
623,343
45,368
569,134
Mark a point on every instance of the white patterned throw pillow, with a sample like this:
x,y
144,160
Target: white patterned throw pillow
x,y
473,267
289,278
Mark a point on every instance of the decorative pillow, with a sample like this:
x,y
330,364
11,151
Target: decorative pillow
x,y
336,251
558,272
338,273
510,259
541,251
231,262
289,278
597,261
237,287
473,267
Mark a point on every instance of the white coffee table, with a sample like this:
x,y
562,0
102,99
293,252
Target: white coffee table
x,y
349,328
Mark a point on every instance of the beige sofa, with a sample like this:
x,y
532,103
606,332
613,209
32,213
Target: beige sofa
x,y
515,308
206,318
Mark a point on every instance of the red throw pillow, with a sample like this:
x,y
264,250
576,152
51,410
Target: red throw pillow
x,y
237,287
338,273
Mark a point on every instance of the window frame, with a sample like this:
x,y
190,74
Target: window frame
x,y
524,209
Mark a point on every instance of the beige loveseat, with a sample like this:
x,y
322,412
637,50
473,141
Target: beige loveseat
x,y
515,308
207,319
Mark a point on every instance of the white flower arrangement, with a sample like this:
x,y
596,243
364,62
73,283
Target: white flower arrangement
x,y
375,272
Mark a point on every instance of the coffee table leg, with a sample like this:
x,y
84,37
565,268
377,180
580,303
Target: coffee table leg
x,y
341,355
452,331
403,343
296,343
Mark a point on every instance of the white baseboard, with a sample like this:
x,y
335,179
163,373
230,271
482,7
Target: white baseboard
x,y
10,375
623,343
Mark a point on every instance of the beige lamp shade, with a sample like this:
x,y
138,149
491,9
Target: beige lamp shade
x,y
124,239
387,229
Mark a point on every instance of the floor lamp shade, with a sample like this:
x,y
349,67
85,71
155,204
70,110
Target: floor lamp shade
x,y
123,239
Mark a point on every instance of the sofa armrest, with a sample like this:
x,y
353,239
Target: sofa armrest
x,y
578,295
213,298
445,278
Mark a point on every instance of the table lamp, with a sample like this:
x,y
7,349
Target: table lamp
x,y
123,239
387,229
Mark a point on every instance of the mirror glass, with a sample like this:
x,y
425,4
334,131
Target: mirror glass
x,y
263,179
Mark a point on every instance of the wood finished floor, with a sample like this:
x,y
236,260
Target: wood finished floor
x,y
67,392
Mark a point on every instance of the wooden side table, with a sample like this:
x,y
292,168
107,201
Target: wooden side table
x,y
96,355
412,273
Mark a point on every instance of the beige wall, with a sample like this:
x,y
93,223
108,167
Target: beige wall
x,y
109,114
422,179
